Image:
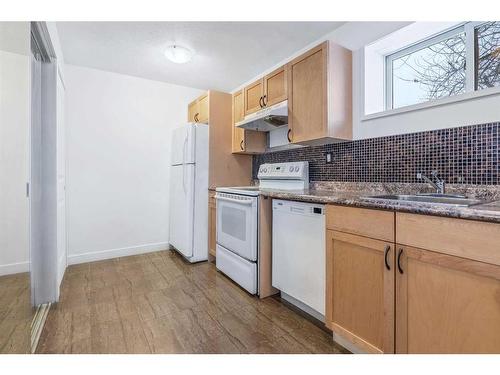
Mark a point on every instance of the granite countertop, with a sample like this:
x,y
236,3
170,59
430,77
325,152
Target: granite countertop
x,y
489,211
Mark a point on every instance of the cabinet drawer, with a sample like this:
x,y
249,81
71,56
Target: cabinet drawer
x,y
361,221
464,238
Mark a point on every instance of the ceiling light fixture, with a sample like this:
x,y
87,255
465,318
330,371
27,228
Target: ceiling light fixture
x,y
178,54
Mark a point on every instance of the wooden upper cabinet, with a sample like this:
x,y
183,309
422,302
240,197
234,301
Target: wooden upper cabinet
x,y
203,109
275,87
308,95
320,95
267,91
252,97
198,110
192,111
245,141
238,133
360,291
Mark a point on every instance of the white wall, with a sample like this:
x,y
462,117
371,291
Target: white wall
x,y
118,146
14,133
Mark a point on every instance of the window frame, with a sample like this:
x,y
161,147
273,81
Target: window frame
x,y
470,59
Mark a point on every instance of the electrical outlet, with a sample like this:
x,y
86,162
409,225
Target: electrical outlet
x,y
329,157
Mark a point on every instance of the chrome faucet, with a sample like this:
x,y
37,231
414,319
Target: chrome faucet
x,y
439,185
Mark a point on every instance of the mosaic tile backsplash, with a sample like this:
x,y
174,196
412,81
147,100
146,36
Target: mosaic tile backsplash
x,y
464,155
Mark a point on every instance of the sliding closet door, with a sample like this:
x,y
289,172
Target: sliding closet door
x,y
44,180
15,304
61,180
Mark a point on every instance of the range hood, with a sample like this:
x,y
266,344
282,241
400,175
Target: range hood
x,y
266,119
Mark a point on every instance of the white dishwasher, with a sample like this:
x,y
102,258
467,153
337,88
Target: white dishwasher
x,y
299,254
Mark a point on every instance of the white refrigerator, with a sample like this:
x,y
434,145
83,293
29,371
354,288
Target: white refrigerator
x,y
189,191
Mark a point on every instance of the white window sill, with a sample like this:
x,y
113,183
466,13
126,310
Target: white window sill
x,y
434,103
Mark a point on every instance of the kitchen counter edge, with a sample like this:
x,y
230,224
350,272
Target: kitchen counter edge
x,y
488,212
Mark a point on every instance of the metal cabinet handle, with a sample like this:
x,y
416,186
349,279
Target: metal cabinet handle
x,y
261,102
288,135
264,100
399,261
196,117
387,249
241,145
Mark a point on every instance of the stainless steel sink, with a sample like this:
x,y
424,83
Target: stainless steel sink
x,y
450,200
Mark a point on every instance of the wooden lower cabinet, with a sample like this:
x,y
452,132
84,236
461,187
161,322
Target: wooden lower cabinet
x,y
360,291
446,304
386,296
212,223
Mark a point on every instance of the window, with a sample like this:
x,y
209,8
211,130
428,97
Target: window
x,y
438,67
487,56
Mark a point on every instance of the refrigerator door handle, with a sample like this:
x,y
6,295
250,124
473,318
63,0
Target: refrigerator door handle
x,y
184,150
184,163
184,177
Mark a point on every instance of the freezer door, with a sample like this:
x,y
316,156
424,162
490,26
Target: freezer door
x,y
183,145
182,208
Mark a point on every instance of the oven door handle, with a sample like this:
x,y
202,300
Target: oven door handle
x,y
237,201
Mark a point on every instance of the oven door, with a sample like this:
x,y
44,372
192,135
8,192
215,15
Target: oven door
x,y
237,224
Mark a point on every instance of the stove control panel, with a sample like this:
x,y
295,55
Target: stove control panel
x,y
298,170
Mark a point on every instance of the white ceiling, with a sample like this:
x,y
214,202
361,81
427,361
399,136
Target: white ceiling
x,y
226,53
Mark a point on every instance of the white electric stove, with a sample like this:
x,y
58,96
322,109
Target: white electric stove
x,y
238,220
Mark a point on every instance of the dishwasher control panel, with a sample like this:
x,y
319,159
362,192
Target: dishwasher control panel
x,y
298,207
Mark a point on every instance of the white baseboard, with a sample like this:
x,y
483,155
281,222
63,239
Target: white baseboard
x,y
12,268
116,253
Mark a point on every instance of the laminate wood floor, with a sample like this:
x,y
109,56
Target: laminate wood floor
x,y
159,303
15,313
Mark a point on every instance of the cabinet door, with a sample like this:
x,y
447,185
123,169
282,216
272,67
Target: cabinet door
x,y
446,304
238,133
252,97
203,109
192,111
212,220
307,95
275,87
245,141
360,291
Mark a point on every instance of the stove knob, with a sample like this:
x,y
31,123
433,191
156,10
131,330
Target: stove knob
x,y
291,168
297,168
264,170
